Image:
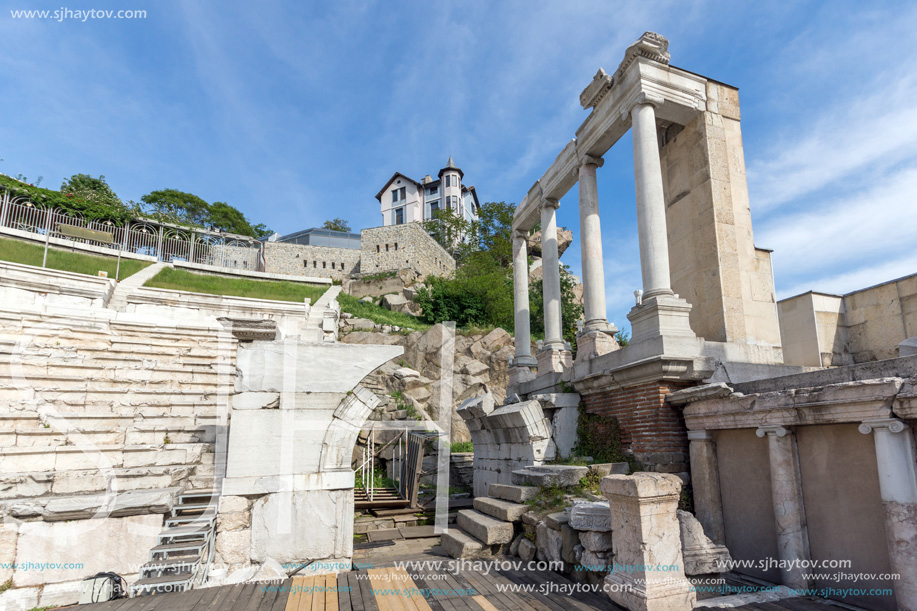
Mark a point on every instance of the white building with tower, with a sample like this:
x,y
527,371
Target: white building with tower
x,y
405,200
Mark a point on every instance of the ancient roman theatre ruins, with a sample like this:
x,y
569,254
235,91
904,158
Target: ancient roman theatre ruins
x,y
790,426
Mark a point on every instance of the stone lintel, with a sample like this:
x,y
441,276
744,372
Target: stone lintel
x,y
699,393
657,368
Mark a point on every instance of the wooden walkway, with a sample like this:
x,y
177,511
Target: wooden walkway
x,y
387,588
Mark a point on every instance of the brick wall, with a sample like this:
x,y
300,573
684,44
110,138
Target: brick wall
x,y
651,428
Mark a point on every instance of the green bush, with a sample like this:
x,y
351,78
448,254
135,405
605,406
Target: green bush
x,y
462,446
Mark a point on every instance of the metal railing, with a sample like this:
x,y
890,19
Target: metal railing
x,y
165,242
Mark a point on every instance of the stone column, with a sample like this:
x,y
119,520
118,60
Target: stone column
x,y
789,510
591,246
646,542
705,482
523,333
895,456
553,330
654,245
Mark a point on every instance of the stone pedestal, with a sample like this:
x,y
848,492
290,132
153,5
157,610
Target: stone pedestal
x,y
519,374
702,556
646,534
554,361
591,344
789,510
662,315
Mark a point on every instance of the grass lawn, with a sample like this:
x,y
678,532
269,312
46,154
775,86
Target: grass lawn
x,y
379,315
182,280
19,251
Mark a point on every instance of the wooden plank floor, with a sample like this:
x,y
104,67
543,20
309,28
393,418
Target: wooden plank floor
x,y
387,588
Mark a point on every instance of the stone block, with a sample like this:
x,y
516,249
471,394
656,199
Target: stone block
x,y
500,509
550,475
9,532
610,468
549,543
595,541
556,520
233,504
294,526
234,546
60,594
484,528
514,546
459,545
564,425
527,550
591,516
256,400
702,556
596,561
19,599
405,372
118,544
514,494
570,540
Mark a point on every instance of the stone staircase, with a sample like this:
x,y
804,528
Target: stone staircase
x,y
124,288
491,526
84,399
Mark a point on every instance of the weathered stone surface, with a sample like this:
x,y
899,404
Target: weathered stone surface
x,y
550,543
595,541
564,425
118,544
256,400
271,570
234,521
527,550
233,504
702,556
234,546
292,527
459,545
550,475
60,594
514,494
556,520
500,509
596,561
484,528
570,539
405,373
19,599
514,546
591,516
610,468
9,532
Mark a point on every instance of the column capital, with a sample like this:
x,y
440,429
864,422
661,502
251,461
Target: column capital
x,y
550,202
590,160
892,425
642,98
520,234
775,430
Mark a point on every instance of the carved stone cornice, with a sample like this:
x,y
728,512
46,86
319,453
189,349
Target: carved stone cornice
x,y
654,369
596,90
651,45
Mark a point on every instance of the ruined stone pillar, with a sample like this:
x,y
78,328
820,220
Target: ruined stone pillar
x,y
789,510
895,457
651,224
705,482
553,329
591,247
523,330
648,573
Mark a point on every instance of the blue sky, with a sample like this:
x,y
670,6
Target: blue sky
x,y
297,112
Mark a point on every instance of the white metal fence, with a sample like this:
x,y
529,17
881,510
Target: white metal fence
x,y
143,237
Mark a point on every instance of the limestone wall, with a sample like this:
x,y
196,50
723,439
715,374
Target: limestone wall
x,y
403,246
27,285
307,260
813,329
714,262
93,401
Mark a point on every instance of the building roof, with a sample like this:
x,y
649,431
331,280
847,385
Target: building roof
x,y
450,165
391,180
474,194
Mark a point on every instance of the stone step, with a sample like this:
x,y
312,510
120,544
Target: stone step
x,y
97,376
515,494
500,509
72,457
458,544
484,528
26,485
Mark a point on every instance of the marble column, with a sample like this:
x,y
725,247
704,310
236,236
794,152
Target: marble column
x,y
523,332
789,510
895,458
651,225
591,247
553,328
705,483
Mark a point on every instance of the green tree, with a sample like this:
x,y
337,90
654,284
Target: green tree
x,y
224,217
92,197
336,225
448,228
174,206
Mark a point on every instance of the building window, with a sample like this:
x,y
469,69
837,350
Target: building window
x,y
394,195
399,216
332,265
434,190
396,245
434,208
386,248
324,265
315,264
378,248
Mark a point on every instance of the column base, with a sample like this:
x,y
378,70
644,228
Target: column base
x,y
518,375
526,360
554,361
659,316
648,594
591,344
